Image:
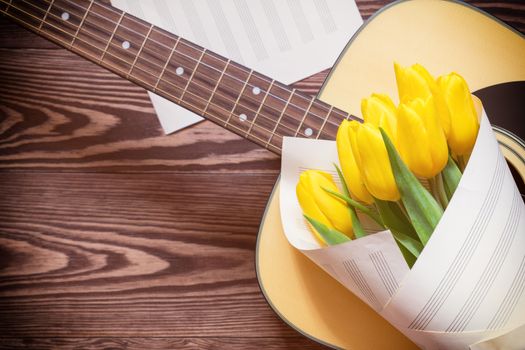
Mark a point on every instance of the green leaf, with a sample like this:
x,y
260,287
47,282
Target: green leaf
x,y
330,236
358,229
356,223
394,218
401,228
451,176
342,179
356,205
422,208
410,248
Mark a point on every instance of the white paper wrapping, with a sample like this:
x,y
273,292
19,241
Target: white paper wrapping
x,y
467,286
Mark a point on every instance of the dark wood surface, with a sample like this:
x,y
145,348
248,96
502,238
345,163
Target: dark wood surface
x,y
115,236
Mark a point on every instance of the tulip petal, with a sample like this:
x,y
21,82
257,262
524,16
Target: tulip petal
x,y
464,124
375,165
349,163
334,209
421,139
422,208
380,111
410,83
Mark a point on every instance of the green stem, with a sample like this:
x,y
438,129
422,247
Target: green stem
x,y
357,227
462,163
356,205
451,176
440,186
433,182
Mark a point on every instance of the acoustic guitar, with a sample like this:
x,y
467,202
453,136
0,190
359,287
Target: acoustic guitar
x,y
442,35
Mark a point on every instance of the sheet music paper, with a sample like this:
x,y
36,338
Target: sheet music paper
x,y
287,40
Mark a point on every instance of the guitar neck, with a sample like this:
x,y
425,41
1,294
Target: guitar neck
x,y
241,100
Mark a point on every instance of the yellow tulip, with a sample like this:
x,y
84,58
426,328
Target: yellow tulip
x,y
321,205
374,163
416,82
421,141
464,124
380,111
349,166
413,82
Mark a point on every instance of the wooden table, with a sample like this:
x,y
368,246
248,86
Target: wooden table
x,y
114,235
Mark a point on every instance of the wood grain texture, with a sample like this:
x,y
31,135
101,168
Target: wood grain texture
x,y
115,236
158,343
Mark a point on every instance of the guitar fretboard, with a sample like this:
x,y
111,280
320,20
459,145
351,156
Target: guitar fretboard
x,y
246,102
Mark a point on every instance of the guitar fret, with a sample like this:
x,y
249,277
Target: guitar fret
x,y
183,72
216,86
324,122
192,74
259,109
111,37
239,97
81,22
45,15
167,63
304,116
140,50
280,117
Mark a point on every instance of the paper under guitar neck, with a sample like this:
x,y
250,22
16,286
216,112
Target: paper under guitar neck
x,y
229,94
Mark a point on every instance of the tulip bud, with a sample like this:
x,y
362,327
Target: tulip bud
x,y
416,82
421,140
374,163
348,162
380,111
318,204
464,118
413,82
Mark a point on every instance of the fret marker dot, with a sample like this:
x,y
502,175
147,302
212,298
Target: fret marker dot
x,y
65,16
243,117
179,71
256,90
126,45
308,132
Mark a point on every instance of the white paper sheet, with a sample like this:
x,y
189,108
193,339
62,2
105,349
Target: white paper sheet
x,y
286,40
467,286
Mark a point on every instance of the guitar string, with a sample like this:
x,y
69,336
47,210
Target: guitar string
x,y
188,43
193,82
292,130
344,115
225,97
181,102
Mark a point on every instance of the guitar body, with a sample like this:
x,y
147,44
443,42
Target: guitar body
x,y
444,36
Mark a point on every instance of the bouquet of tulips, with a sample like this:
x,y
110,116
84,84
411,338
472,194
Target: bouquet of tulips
x,y
421,218
387,161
